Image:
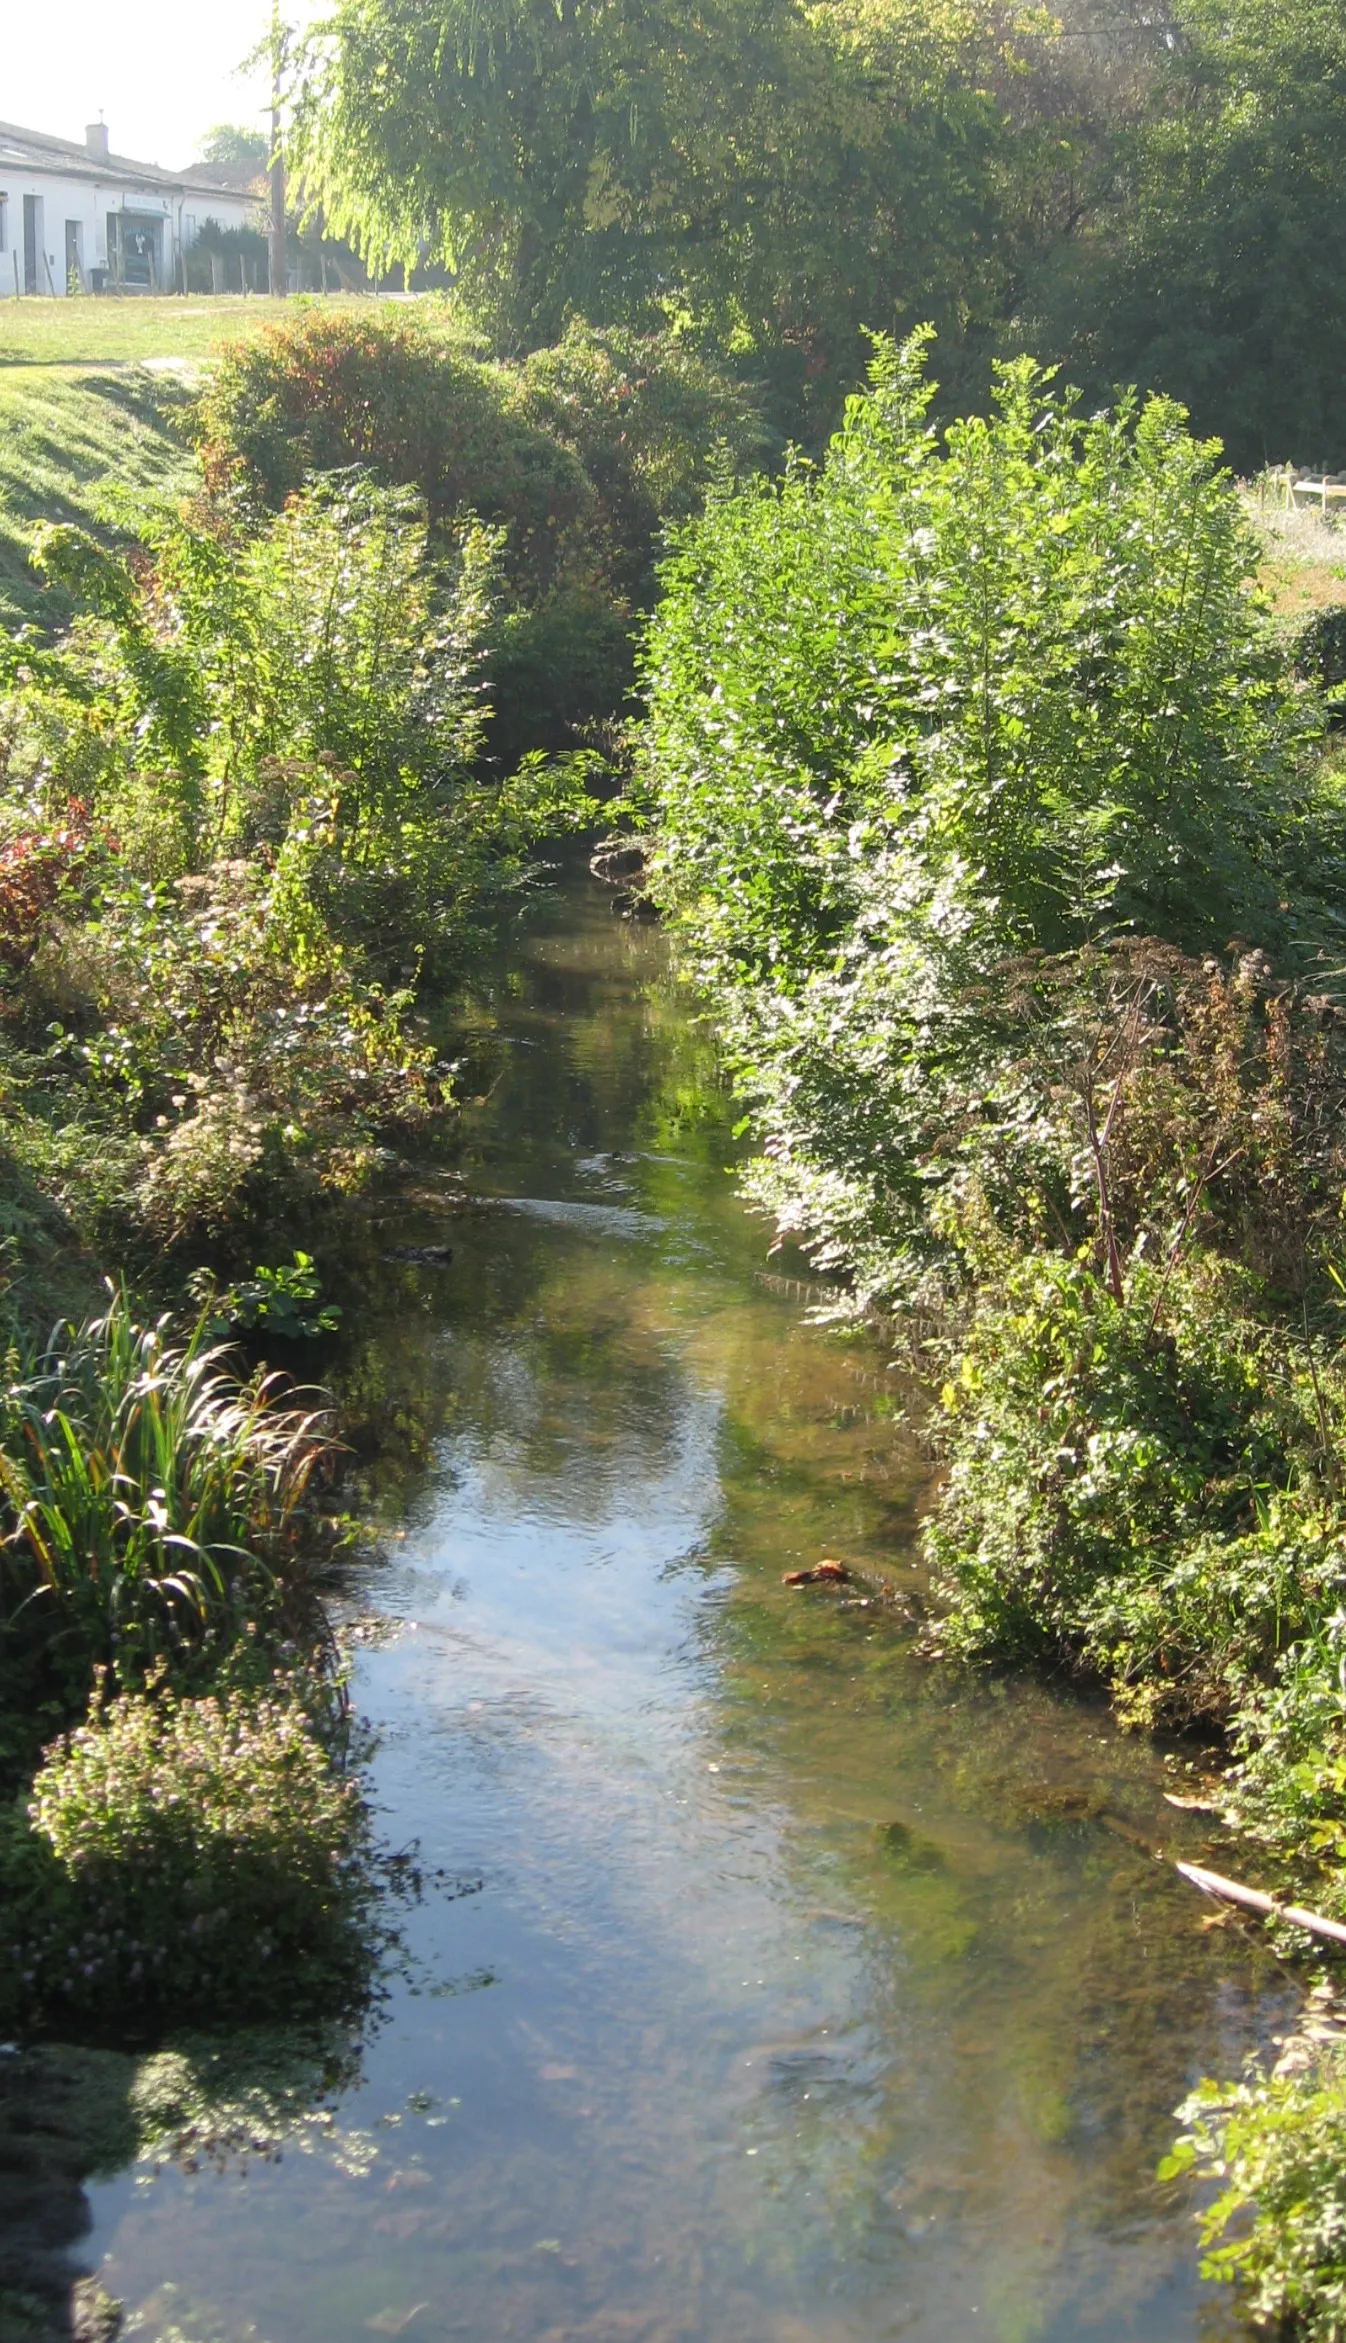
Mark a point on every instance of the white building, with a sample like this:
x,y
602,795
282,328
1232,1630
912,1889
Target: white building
x,y
78,218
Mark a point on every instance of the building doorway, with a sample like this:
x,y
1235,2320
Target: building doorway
x,y
32,243
75,279
135,250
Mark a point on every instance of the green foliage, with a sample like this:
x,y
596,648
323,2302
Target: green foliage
x,y
1214,212
239,808
321,393
234,142
185,1858
1150,1501
961,747
1149,202
1276,2150
941,704
784,178
1014,670
286,1301
573,461
327,634
153,1509
649,420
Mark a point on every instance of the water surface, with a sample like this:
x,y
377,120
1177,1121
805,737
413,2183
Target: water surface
x,y
778,1987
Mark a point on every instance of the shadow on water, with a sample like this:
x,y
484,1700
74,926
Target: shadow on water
x,y
782,1988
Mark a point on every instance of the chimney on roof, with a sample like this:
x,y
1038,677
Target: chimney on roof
x,y
95,139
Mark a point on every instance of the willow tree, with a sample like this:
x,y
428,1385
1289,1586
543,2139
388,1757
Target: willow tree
x,y
779,172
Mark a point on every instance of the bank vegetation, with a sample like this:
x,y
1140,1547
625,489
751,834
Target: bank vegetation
x,y
1004,839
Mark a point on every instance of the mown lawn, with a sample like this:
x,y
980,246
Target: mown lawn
x,y
93,332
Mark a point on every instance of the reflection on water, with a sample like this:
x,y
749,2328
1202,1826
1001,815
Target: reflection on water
x,y
808,1994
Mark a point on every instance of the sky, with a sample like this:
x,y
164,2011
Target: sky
x,y
160,81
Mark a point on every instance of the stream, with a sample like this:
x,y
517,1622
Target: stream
x,y
769,1984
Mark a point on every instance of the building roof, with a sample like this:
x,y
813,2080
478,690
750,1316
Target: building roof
x,y
34,150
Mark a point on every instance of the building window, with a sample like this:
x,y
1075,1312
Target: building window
x,y
4,223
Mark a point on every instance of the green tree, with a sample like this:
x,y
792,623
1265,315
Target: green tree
x,y
1206,257
781,175
948,701
234,142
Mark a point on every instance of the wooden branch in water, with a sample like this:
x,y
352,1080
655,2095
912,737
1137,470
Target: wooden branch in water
x,y
1232,1892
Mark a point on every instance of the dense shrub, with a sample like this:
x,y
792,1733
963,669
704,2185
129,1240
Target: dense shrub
x,y
206,685
1016,665
576,458
1287,1793
265,742
923,1107
324,392
1138,1487
944,702
651,422
185,1858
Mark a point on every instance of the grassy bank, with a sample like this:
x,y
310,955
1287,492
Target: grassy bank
x,y
88,448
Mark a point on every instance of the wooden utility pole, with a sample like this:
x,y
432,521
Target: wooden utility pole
x,y
278,263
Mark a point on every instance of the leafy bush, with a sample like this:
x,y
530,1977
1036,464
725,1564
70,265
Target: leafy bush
x,y
235,1036
36,866
185,1858
650,421
1275,2148
154,1510
576,458
286,1300
1138,1487
921,1110
1288,1791
324,392
218,678
933,708
280,818
1016,667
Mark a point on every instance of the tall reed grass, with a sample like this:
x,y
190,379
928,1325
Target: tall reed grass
x,y
154,1505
